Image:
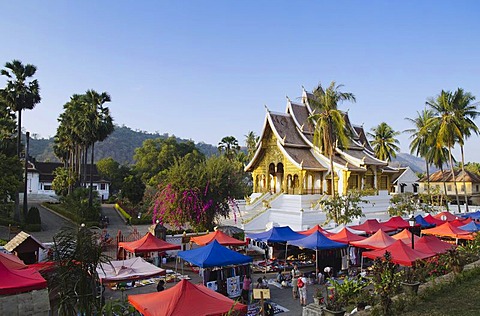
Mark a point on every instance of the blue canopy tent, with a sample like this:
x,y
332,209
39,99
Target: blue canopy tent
x,y
277,234
471,227
213,255
317,241
422,222
474,215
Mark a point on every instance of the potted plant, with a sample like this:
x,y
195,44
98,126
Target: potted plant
x,y
410,282
318,297
334,304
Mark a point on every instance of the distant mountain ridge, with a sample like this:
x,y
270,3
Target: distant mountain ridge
x,y
121,144
415,163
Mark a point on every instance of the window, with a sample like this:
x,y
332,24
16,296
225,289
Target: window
x,y
462,188
449,187
95,187
47,187
383,182
103,186
478,188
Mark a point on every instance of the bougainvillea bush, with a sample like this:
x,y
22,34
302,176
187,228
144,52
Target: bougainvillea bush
x,y
198,193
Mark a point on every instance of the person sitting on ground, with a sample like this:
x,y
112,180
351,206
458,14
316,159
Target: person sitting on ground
x,y
259,284
280,277
160,286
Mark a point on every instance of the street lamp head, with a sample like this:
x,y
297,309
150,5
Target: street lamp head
x,y
411,220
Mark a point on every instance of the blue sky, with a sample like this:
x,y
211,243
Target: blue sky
x,y
203,70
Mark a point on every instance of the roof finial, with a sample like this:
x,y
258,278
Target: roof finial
x,y
284,137
266,108
288,99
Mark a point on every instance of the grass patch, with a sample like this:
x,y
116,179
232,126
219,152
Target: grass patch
x,y
462,297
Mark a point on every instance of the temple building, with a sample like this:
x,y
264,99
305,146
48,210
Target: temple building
x,y
286,160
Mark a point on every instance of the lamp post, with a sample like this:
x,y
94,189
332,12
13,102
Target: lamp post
x,y
412,222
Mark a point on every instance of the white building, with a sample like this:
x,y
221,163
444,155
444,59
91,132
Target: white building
x,y
40,177
404,181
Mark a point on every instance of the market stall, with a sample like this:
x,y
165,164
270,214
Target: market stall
x,y
185,298
400,253
406,236
127,270
220,237
378,240
14,281
222,269
430,243
371,226
146,245
448,230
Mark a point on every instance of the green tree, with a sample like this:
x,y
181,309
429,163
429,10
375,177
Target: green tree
x,y
133,189
421,140
473,167
101,125
384,142
466,113
251,140
342,209
157,155
199,192
63,181
18,95
331,130
10,166
229,147
111,170
447,126
74,279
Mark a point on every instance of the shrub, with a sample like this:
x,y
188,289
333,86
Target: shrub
x,y
33,227
33,216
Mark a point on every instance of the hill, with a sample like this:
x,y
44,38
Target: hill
x,y
415,163
120,145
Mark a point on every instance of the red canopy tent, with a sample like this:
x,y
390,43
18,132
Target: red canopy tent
x,y
371,226
221,237
401,254
14,281
432,244
315,229
460,222
11,261
445,216
378,240
397,222
406,236
147,243
185,298
448,230
432,220
345,236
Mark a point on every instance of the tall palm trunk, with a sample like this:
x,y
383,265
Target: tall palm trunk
x,y
463,179
428,181
454,180
332,174
16,215
444,190
90,196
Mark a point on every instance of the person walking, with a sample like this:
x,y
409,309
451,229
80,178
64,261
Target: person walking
x,y
295,274
247,282
302,289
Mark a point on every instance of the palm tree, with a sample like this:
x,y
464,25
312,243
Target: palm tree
x,y
420,136
330,126
447,127
384,142
466,112
20,94
229,146
101,125
251,141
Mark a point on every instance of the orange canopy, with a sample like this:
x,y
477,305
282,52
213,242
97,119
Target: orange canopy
x,y
147,243
432,244
11,261
345,236
221,237
371,226
401,253
185,298
406,237
448,230
315,229
378,240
